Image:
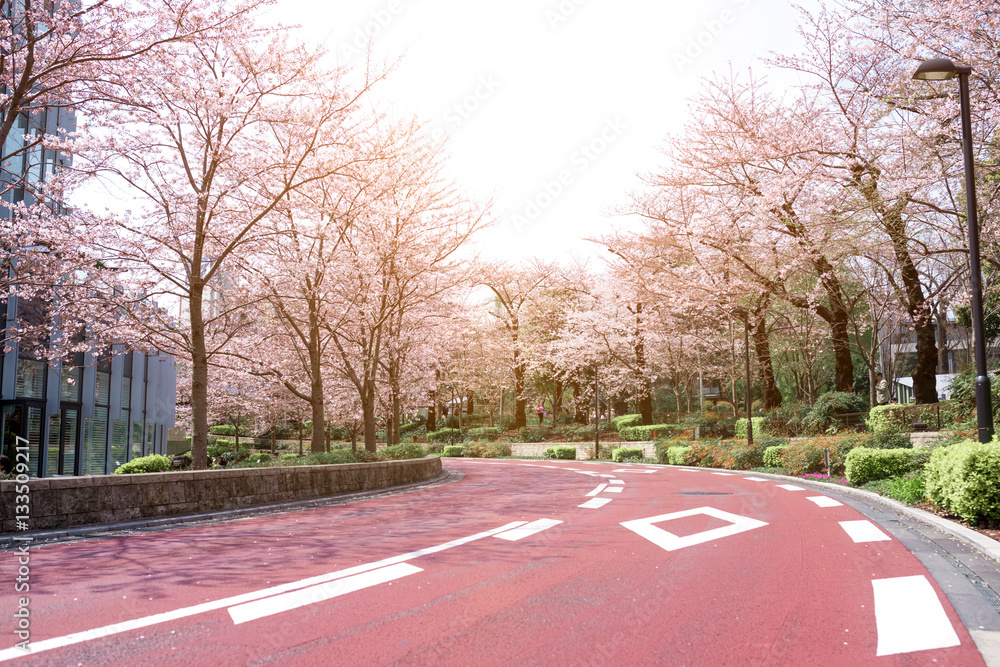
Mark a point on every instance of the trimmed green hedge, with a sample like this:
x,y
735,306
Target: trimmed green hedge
x,y
151,463
454,450
864,464
487,450
772,456
622,454
485,433
677,455
567,452
404,450
758,427
625,421
533,434
965,479
445,435
222,429
651,432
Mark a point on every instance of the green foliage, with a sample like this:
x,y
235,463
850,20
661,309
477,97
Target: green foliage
x,y
410,429
485,433
712,423
575,433
677,455
623,421
567,452
890,438
507,423
487,450
533,433
623,454
364,456
404,450
823,414
454,450
788,419
772,456
222,442
259,458
907,488
651,432
741,427
151,463
222,429
215,451
963,394
445,435
963,479
865,464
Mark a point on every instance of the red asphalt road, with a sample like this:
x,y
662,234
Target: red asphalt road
x,y
586,591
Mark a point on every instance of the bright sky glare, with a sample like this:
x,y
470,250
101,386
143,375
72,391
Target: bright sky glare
x,y
551,107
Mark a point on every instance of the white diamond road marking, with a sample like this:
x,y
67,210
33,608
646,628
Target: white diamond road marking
x,y
825,501
594,503
633,470
184,612
600,488
617,481
251,611
791,487
909,616
528,530
756,479
863,531
614,489
670,542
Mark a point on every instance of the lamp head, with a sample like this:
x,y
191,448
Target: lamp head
x,y
739,312
939,69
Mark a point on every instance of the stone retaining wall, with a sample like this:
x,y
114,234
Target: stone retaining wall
x,y
63,502
584,450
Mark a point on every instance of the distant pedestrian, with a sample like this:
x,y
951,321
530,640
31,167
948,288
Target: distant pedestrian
x,y
881,390
540,411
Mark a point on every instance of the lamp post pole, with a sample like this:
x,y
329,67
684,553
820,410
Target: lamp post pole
x,y
939,69
744,315
597,417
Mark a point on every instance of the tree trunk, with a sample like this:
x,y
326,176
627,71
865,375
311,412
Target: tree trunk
x,y
316,383
368,410
520,401
557,392
471,408
581,406
762,347
942,343
199,381
432,414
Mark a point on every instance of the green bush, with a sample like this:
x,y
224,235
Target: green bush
x,y
865,465
624,421
567,452
454,450
485,433
963,395
409,429
823,413
575,433
772,456
907,488
222,429
712,423
151,463
788,419
487,450
651,432
533,433
963,479
890,438
404,450
222,442
507,423
623,454
677,455
741,427
260,457
445,435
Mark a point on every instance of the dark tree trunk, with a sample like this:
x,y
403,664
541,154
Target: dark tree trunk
x,y
368,410
581,406
557,392
471,407
762,347
199,382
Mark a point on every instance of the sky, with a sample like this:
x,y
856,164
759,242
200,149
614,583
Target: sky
x,y
550,108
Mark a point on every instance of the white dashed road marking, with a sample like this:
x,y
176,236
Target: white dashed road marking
x,y
597,490
528,530
909,616
825,501
594,503
863,531
614,489
791,487
617,481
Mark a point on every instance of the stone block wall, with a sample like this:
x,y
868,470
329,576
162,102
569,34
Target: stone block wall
x,y
64,502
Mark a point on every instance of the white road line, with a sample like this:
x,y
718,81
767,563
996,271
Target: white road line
x,y
909,616
863,531
825,501
617,481
727,474
594,503
600,488
670,542
614,489
528,530
606,475
276,604
156,619
791,487
634,470
756,479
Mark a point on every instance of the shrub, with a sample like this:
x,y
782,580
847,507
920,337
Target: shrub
x,y
364,456
890,438
507,423
445,435
772,456
963,478
865,465
622,454
404,450
222,442
900,417
151,463
215,451
823,413
677,455
487,450
711,423
963,395
575,433
454,450
651,432
533,433
741,427
485,433
222,429
258,458
908,488
704,453
787,420
624,421
411,428
567,452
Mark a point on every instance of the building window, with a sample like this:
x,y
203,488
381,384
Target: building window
x,y
69,388
31,378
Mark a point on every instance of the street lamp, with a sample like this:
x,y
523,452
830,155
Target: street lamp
x,y
597,417
744,315
939,69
